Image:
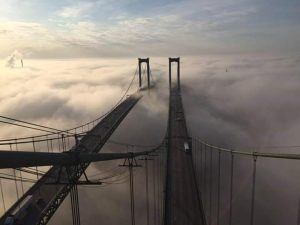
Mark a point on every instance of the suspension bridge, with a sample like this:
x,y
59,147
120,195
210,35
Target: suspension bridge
x,y
183,184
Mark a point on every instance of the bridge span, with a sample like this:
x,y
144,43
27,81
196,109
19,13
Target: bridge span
x,y
183,203
47,198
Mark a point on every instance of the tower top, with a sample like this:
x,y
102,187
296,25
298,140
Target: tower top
x,y
176,59
141,60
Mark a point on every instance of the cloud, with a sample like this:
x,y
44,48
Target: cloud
x,y
76,10
253,104
186,28
248,107
27,37
116,28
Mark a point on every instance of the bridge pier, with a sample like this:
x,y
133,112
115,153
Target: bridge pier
x,y
177,60
144,60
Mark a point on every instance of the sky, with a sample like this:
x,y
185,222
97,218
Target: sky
x,y
122,28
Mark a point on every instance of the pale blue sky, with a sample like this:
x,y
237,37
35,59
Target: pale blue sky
x,y
100,28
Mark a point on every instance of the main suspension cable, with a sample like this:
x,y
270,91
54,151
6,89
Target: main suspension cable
x,y
58,131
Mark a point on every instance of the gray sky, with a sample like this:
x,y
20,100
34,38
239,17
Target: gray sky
x,y
101,28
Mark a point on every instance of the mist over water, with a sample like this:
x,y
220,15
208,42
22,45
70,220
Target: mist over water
x,y
238,101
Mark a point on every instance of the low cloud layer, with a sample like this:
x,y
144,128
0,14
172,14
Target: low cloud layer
x,y
229,101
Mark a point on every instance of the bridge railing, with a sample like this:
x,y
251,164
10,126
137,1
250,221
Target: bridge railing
x,y
246,187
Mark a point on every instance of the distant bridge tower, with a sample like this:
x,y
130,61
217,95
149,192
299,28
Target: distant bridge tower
x,y
145,60
177,60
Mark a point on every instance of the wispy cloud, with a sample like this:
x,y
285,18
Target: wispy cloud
x,y
104,27
77,10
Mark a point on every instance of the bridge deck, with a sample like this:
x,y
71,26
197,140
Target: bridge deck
x,y
46,198
183,206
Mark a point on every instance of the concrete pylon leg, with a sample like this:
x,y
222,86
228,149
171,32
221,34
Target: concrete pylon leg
x,y
170,72
148,74
178,73
140,73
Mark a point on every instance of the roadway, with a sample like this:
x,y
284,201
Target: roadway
x,y
183,203
46,197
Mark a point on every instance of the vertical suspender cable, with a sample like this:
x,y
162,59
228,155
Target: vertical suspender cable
x,y
72,196
219,181
63,142
253,190
161,187
69,146
147,189
2,195
198,163
204,180
165,164
201,170
211,186
51,145
34,150
132,184
154,192
22,185
77,204
48,145
16,183
231,189
58,140
73,206
298,223
164,183
131,193
195,157
74,200
158,188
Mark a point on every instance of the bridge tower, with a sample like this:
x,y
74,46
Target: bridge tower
x,y
144,60
177,60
